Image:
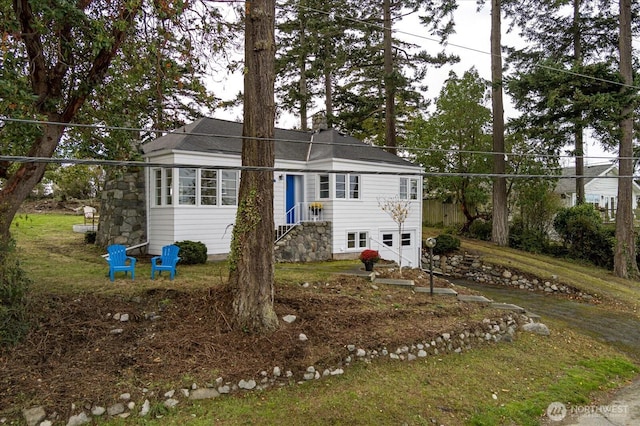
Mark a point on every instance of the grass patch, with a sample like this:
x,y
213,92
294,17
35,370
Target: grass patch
x,y
451,389
591,279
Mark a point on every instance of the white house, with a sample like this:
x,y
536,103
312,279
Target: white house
x,y
600,187
195,196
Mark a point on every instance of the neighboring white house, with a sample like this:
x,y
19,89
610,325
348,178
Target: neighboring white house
x,y
196,198
600,187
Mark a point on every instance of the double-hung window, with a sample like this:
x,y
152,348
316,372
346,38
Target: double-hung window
x,y
357,239
162,191
408,189
187,179
196,187
208,187
229,188
324,187
347,186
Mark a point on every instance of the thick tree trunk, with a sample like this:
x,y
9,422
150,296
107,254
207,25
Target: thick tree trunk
x,y
500,227
389,82
579,153
251,277
578,131
20,184
302,84
624,260
328,96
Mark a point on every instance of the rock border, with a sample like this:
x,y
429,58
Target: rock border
x,y
488,331
471,267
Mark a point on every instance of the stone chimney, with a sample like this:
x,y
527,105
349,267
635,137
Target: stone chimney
x,y
319,121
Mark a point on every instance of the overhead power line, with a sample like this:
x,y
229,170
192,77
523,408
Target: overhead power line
x,y
471,49
182,132
145,164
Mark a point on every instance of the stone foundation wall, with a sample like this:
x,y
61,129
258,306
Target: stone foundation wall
x,y
306,242
122,210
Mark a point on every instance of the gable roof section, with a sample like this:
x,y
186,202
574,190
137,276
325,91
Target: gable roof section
x,y
209,135
567,185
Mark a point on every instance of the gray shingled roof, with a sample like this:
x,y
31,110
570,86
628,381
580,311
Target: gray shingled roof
x,y
208,135
568,185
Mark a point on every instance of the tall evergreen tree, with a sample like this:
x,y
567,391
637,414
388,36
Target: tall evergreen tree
x,y
251,277
343,62
624,260
500,228
562,79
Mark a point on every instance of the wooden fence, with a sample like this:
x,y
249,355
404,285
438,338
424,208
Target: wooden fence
x,y
437,213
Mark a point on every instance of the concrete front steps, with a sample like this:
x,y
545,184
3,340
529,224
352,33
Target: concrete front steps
x,y
441,291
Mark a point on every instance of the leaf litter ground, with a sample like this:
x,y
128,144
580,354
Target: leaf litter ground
x,y
174,338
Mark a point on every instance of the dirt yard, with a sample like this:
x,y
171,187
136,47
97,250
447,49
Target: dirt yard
x,y
79,350
73,354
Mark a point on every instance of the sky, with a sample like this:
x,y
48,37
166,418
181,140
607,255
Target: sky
x,y
471,43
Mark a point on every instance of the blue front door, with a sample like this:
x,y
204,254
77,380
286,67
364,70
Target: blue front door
x,y
290,201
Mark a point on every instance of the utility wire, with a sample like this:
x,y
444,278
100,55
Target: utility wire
x,y
182,132
131,163
471,49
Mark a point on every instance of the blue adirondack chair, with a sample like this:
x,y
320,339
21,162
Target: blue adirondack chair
x,y
168,261
118,260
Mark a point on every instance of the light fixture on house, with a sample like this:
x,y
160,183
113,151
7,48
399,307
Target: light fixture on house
x,y
430,243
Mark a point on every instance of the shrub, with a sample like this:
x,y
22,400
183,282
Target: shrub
x,y
13,298
530,240
481,230
581,229
446,243
192,252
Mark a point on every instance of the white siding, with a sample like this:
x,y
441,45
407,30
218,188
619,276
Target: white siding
x,y
208,224
365,214
212,225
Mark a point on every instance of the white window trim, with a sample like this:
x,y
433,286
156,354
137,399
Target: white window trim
x,y
175,188
347,184
357,235
410,184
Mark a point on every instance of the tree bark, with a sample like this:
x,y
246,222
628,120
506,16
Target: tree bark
x,y
500,228
48,84
624,260
251,277
328,96
578,129
302,84
389,81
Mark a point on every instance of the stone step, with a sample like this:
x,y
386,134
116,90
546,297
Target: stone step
x,y
436,271
437,290
473,298
371,276
509,307
400,283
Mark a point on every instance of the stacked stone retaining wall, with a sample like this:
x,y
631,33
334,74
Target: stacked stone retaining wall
x,y
471,267
305,242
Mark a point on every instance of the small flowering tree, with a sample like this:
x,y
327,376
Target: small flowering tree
x,y
399,210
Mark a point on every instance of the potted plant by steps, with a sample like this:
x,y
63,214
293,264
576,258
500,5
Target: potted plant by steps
x,y
369,257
